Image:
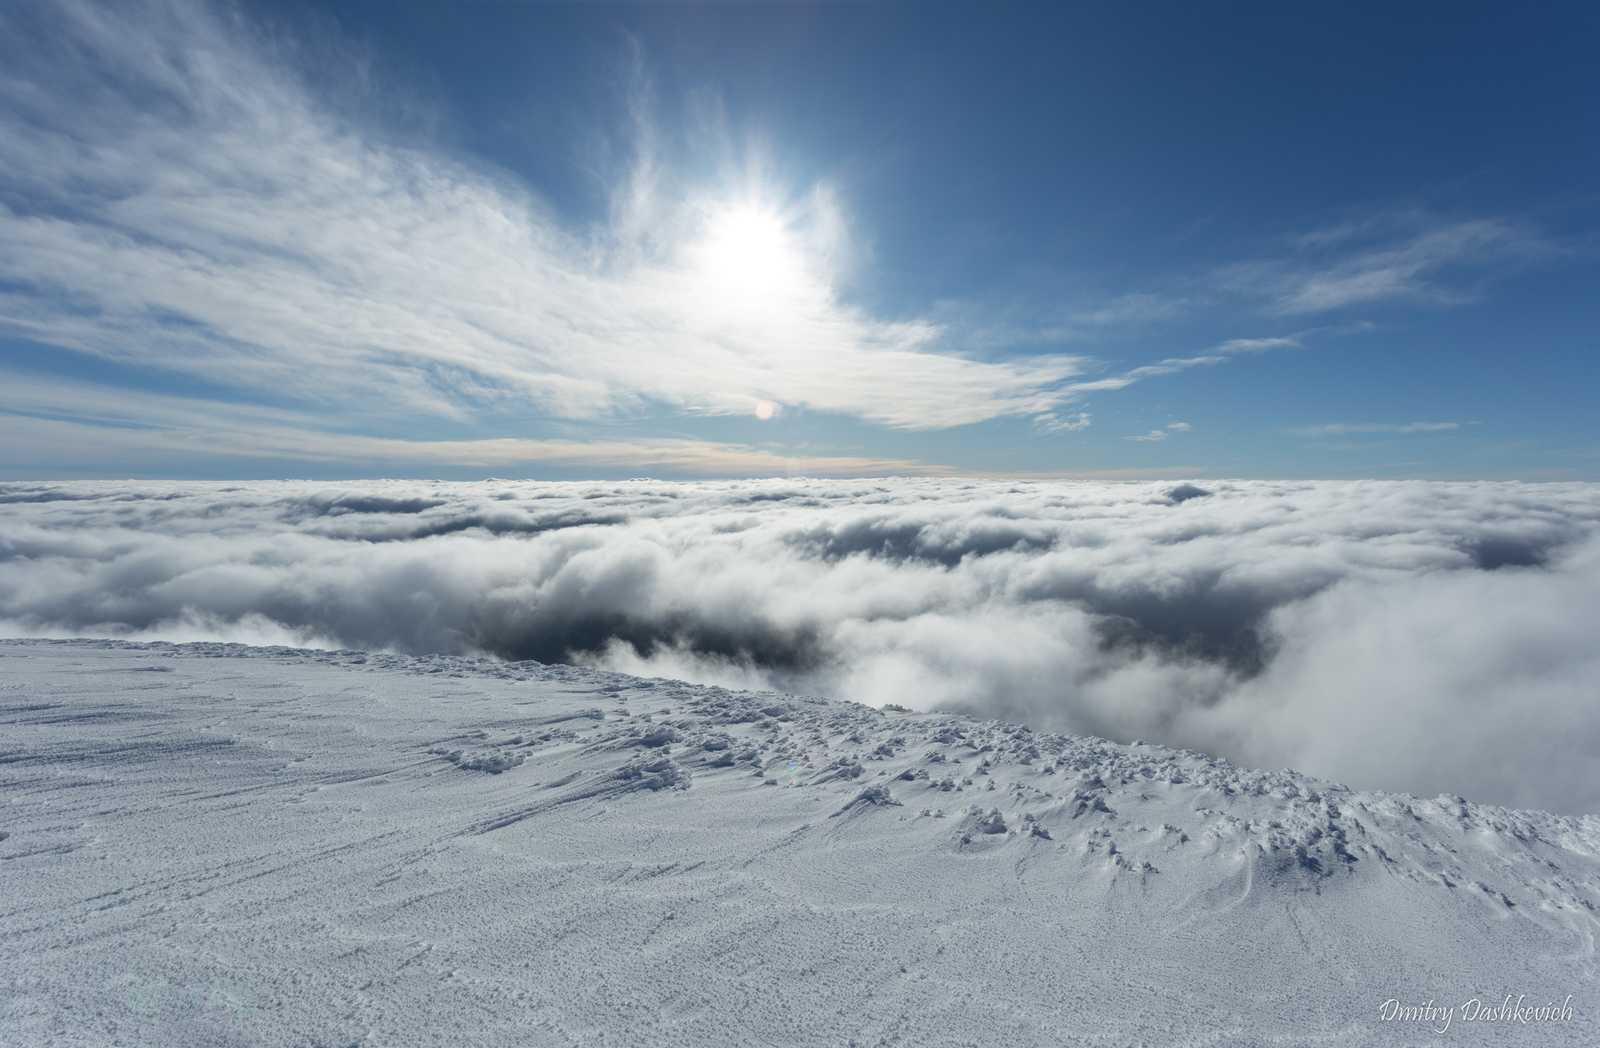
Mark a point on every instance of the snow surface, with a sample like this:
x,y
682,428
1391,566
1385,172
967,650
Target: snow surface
x,y
212,844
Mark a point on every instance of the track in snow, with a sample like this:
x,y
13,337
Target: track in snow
x,y
215,844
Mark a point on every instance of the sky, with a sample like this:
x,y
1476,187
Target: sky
x,y
604,240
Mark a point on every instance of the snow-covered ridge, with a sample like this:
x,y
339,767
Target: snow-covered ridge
x,y
1025,781
549,837
1029,779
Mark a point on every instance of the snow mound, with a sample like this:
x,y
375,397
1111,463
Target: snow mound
x,y
272,846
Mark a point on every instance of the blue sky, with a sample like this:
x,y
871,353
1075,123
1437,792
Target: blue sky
x,y
608,240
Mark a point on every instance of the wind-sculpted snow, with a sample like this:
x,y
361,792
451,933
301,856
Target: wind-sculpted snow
x,y
1400,635
215,844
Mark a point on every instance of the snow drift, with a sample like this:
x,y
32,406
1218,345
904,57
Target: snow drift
x,y
218,845
1400,635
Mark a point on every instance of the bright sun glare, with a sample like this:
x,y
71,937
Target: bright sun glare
x,y
747,251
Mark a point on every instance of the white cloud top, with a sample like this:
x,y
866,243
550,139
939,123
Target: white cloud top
x,y
1399,635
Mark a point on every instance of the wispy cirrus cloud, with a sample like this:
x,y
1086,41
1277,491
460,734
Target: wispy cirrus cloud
x,y
1257,345
209,215
84,448
1394,257
83,427
47,429
1391,257
1219,354
1137,308
1338,428
176,198
1128,378
1052,422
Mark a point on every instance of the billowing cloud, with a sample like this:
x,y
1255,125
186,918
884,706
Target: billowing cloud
x,y
1403,635
208,214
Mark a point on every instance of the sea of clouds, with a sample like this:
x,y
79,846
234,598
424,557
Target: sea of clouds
x,y
1427,637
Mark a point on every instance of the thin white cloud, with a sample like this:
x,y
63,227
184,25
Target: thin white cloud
x,y
1154,434
1337,428
1219,355
1132,309
1128,378
1392,257
1181,427
53,429
1051,422
80,427
209,216
212,216
76,447
1256,345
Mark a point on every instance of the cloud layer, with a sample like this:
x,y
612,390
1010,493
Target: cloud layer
x,y
1415,636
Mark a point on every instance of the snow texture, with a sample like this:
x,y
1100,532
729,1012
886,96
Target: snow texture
x,y
1414,636
213,844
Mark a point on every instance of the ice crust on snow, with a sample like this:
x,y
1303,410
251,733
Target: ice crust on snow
x,y
212,843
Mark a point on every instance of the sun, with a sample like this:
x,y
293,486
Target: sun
x,y
747,252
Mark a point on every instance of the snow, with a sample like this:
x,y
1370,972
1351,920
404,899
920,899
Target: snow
x,y
213,844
